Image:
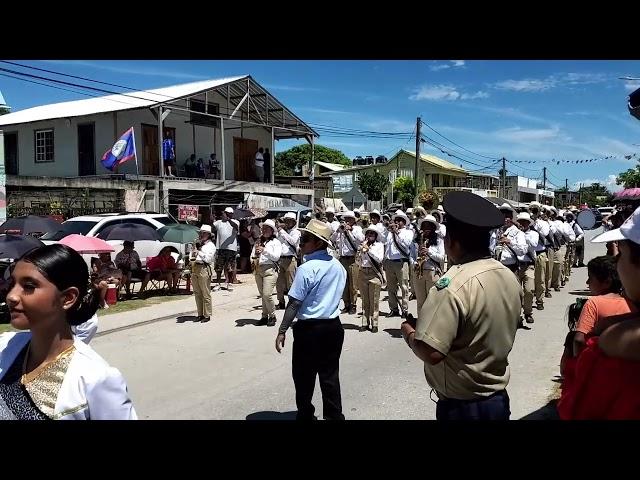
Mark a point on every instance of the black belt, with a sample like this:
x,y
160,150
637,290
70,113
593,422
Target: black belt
x,y
287,256
541,251
399,260
310,322
347,256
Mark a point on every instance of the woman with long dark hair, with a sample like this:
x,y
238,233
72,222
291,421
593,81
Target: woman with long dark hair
x,y
45,372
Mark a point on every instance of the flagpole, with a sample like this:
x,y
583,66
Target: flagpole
x,y
135,151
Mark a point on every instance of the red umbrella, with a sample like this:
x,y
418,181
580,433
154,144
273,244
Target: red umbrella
x,y
82,244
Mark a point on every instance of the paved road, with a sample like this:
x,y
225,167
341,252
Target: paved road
x,y
229,369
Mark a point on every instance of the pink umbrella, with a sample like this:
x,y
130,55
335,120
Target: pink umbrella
x,y
82,244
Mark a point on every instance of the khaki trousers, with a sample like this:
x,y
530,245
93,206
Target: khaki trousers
x,y
423,285
349,292
201,280
287,271
397,276
558,263
526,275
540,274
266,278
370,291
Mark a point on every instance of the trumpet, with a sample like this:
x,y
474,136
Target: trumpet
x,y
364,248
255,260
420,261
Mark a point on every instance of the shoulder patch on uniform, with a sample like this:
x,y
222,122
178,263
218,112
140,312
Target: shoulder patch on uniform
x,y
443,283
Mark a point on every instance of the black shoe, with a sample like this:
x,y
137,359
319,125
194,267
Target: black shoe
x,y
374,330
352,311
363,328
412,296
540,306
529,318
263,321
345,309
205,319
280,306
403,315
271,321
548,295
199,319
393,313
557,289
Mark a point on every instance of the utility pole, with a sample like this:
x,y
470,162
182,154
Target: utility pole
x,y
504,178
544,178
416,172
566,184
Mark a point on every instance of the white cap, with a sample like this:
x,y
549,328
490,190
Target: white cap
x,y
330,210
308,215
441,208
375,212
430,219
535,204
505,206
409,210
228,210
205,228
290,215
629,230
401,214
348,214
524,216
270,223
371,228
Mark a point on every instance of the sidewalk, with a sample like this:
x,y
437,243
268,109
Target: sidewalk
x,y
180,306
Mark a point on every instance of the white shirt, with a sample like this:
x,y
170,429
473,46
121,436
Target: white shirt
x,y
259,160
342,244
443,230
436,256
533,240
334,225
86,331
207,253
286,238
568,232
404,237
543,229
271,253
376,251
577,229
226,234
518,244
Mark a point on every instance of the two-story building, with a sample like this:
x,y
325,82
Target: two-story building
x,y
52,152
525,190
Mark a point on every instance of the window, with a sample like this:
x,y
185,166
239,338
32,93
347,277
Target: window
x,y
446,180
199,106
44,145
435,180
81,227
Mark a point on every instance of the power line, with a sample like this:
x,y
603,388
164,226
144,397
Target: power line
x,y
457,145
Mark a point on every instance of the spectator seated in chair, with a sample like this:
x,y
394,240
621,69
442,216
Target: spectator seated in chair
x,y
128,261
163,267
103,273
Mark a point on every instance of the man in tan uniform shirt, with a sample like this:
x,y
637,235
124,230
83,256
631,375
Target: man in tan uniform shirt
x,y
467,325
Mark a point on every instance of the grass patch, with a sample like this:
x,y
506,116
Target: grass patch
x,y
5,327
135,303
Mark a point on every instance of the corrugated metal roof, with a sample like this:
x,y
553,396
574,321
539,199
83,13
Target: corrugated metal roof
x,y
112,103
432,159
259,100
334,167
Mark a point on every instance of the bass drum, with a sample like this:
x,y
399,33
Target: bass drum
x,y
586,219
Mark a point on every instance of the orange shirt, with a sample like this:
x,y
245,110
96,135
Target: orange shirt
x,y
602,306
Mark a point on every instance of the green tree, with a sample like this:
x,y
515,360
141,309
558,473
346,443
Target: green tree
x,y
630,178
286,162
403,191
373,185
595,194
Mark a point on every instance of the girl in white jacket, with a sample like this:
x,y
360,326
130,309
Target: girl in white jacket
x,y
47,373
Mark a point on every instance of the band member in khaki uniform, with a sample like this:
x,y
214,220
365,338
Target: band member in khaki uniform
x,y
396,264
202,257
347,239
430,247
371,278
290,239
541,268
527,262
558,259
472,313
265,255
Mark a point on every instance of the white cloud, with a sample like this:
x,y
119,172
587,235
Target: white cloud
x,y
583,78
519,134
472,96
444,92
151,72
631,85
528,85
444,66
609,182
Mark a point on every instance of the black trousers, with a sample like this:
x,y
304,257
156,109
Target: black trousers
x,y
317,346
493,407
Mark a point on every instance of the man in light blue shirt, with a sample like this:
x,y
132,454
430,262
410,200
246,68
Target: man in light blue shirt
x,y
314,299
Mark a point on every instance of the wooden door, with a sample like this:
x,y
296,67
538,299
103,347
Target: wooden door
x,y
244,154
150,150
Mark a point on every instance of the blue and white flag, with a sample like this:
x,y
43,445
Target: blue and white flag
x,y
122,151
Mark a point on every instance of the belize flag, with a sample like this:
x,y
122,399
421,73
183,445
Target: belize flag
x,y
122,151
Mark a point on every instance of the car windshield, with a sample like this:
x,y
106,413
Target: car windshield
x,y
164,220
81,227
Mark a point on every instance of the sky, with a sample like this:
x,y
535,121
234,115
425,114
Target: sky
x,y
533,113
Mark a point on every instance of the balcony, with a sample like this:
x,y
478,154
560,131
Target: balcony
x,y
442,191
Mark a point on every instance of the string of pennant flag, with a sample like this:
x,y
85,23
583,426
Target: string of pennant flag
x,y
587,160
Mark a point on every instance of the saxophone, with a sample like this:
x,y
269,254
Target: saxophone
x,y
364,248
497,254
420,260
255,261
